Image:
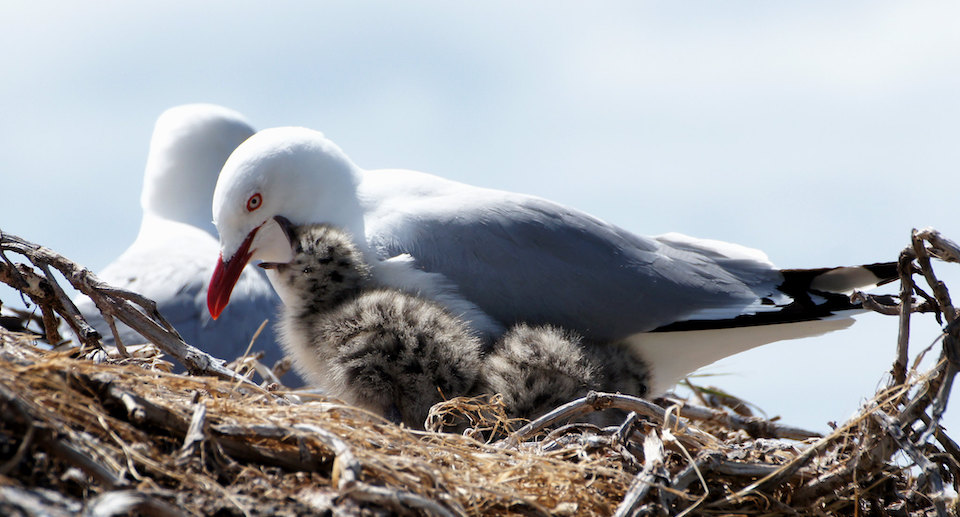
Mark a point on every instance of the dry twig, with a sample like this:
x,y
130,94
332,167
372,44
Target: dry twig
x,y
135,311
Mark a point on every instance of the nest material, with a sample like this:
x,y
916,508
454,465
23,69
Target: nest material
x,y
113,432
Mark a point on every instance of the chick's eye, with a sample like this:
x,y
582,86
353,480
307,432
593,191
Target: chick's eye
x,y
254,202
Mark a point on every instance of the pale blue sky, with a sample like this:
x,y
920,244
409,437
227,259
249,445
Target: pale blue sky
x,y
820,133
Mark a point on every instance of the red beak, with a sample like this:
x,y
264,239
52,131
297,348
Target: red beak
x,y
225,277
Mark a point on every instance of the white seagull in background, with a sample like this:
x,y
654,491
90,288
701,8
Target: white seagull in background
x,y
500,258
169,262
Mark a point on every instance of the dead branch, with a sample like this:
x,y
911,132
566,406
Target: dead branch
x,y
905,270
129,502
195,433
135,311
596,401
41,293
347,469
754,426
875,303
948,251
653,471
926,269
889,426
402,502
942,248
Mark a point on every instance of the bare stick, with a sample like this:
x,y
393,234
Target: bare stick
x,y
871,302
944,249
626,429
140,411
347,469
38,289
116,335
398,500
49,320
754,426
788,469
938,287
705,463
195,434
646,478
136,311
596,401
867,455
928,468
951,350
905,269
940,247
131,502
948,444
69,453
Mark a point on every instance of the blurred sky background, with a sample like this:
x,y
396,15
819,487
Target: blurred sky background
x,y
819,132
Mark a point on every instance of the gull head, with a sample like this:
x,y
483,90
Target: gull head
x,y
189,146
289,174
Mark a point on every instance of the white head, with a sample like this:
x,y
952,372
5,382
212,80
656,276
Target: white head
x,y
295,173
189,146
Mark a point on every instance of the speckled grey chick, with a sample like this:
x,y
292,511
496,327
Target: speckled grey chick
x,y
397,354
389,352
622,369
536,369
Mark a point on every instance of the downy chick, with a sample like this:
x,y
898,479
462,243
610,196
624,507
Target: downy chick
x,y
386,351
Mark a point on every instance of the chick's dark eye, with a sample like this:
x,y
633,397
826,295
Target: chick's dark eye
x,y
254,202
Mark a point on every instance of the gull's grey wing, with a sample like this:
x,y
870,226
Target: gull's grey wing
x,y
522,258
173,269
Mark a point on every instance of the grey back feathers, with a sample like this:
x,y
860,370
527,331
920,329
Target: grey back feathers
x,y
397,354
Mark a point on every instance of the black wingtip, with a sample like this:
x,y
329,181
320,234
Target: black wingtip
x,y
886,272
807,302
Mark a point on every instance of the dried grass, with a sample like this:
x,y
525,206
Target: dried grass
x,y
108,433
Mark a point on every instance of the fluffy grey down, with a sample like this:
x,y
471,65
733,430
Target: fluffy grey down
x,y
539,368
397,355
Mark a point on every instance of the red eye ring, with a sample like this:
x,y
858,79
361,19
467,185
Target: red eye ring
x,y
254,202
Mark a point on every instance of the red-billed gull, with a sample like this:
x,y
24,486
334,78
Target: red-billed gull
x,y
501,258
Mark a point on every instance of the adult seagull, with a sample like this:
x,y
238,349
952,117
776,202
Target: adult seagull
x,y
169,260
500,258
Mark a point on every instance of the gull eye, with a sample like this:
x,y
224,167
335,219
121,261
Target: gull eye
x,y
254,202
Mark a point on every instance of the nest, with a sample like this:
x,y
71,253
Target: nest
x,y
113,432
